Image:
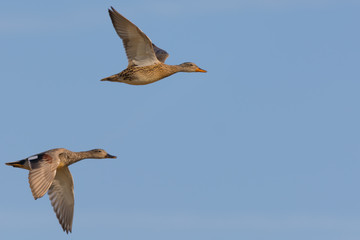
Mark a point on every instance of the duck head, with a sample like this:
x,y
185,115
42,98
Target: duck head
x,y
100,153
190,67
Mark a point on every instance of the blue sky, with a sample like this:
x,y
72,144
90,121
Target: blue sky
x,y
264,146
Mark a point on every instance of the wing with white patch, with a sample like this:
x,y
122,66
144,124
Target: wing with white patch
x,y
61,194
161,54
33,157
138,47
42,172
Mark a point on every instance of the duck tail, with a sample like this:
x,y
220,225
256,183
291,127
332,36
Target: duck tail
x,y
113,78
18,164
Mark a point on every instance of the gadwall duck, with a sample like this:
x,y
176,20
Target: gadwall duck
x,y
49,173
146,61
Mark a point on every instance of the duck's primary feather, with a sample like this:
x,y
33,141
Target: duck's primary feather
x,y
61,195
138,47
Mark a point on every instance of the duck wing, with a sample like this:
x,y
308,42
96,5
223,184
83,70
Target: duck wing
x,y
138,46
61,194
42,172
161,54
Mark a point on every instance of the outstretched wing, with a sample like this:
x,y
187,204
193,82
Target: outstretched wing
x,y
138,47
61,194
42,172
161,54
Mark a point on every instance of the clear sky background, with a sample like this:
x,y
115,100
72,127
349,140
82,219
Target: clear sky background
x,y
266,145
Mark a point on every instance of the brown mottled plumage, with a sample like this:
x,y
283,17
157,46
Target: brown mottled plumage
x,y
147,74
146,61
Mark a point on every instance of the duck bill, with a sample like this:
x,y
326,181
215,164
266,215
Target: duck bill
x,y
110,156
200,70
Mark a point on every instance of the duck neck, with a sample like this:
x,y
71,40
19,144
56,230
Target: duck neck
x,y
178,68
73,157
84,154
171,69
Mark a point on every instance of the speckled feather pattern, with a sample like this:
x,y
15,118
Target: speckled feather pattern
x,y
144,75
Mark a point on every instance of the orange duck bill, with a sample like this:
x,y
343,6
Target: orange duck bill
x,y
200,70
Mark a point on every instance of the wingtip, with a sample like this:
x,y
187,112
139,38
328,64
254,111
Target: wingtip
x,y
66,228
